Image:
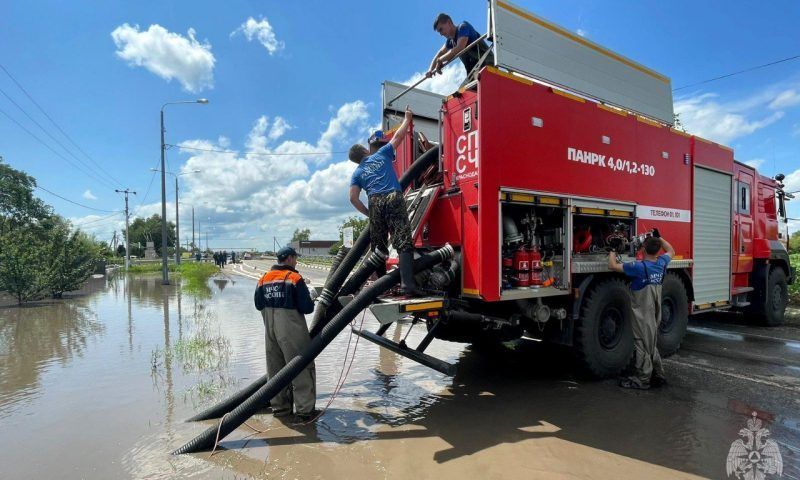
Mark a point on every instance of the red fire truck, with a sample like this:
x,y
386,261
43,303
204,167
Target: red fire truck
x,y
542,172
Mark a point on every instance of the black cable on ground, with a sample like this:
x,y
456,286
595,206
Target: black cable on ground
x,y
208,438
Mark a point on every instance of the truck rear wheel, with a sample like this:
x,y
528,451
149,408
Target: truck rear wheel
x,y
674,315
603,333
776,298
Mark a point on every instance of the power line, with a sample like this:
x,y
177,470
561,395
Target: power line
x,y
41,109
76,203
69,152
787,59
253,153
45,144
83,224
144,199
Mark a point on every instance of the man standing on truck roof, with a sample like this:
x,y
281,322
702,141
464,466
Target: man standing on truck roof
x,y
283,299
646,279
387,210
458,37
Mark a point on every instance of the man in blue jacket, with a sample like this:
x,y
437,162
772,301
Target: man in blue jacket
x,y
387,210
646,279
283,299
458,37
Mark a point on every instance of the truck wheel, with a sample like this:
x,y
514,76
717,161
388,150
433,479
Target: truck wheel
x,y
603,333
777,296
674,315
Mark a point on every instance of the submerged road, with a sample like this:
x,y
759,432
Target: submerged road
x,y
531,394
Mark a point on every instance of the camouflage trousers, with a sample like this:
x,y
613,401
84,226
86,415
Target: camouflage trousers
x,y
388,214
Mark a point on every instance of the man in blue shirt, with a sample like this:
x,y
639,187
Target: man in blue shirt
x,y
387,210
458,37
646,279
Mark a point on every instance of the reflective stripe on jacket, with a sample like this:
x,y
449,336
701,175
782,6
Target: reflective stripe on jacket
x,y
283,287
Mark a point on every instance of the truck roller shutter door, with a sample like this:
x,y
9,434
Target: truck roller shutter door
x,y
711,244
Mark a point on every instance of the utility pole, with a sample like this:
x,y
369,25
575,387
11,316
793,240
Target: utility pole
x,y
193,244
177,229
127,233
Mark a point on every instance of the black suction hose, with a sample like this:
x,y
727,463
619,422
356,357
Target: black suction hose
x,y
352,284
337,260
283,378
330,291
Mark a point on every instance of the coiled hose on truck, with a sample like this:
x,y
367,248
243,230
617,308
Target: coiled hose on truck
x,y
256,401
331,289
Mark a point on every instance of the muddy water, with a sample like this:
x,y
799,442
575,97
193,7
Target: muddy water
x,y
98,386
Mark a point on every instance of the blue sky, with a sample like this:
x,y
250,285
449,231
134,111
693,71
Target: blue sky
x,y
304,77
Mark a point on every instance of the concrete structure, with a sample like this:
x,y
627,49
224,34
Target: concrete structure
x,y
313,247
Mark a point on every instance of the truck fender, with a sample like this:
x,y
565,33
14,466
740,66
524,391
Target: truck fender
x,y
583,287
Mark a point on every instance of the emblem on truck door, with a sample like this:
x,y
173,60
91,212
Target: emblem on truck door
x,y
467,119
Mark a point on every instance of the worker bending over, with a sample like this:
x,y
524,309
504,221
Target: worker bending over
x,y
646,279
457,39
283,299
387,210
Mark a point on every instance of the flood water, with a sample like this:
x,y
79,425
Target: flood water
x,y
99,385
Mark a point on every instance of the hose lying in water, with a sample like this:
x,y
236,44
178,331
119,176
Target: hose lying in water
x,y
330,291
284,377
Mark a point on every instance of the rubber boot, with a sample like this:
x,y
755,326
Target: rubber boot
x,y
407,275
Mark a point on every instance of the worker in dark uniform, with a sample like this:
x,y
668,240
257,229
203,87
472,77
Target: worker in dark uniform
x,y
387,210
283,299
646,279
458,37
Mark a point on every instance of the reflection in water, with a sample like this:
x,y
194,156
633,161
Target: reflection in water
x,y
36,336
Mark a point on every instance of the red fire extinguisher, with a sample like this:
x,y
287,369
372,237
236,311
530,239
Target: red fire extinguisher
x,y
536,266
522,266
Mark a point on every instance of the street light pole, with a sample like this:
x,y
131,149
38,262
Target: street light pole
x,y
164,269
177,227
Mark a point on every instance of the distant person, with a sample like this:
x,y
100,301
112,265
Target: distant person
x,y
458,37
283,299
646,279
233,257
224,258
197,256
387,210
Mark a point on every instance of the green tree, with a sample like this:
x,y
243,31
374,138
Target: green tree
x,y
299,234
121,250
70,259
794,242
18,206
21,263
359,224
143,230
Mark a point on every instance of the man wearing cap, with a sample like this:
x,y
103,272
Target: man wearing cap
x,y
387,210
457,38
283,299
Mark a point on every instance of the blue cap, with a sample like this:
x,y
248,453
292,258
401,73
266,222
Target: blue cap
x,y
376,137
287,252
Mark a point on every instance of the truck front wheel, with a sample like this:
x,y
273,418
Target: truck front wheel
x,y
674,315
776,297
603,333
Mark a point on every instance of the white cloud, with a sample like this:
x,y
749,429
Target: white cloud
x,y
275,194
785,99
262,31
168,55
705,116
445,83
88,195
796,130
755,163
792,182
581,32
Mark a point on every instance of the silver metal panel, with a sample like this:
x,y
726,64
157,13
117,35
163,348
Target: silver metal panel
x,y
712,236
424,104
599,266
526,43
